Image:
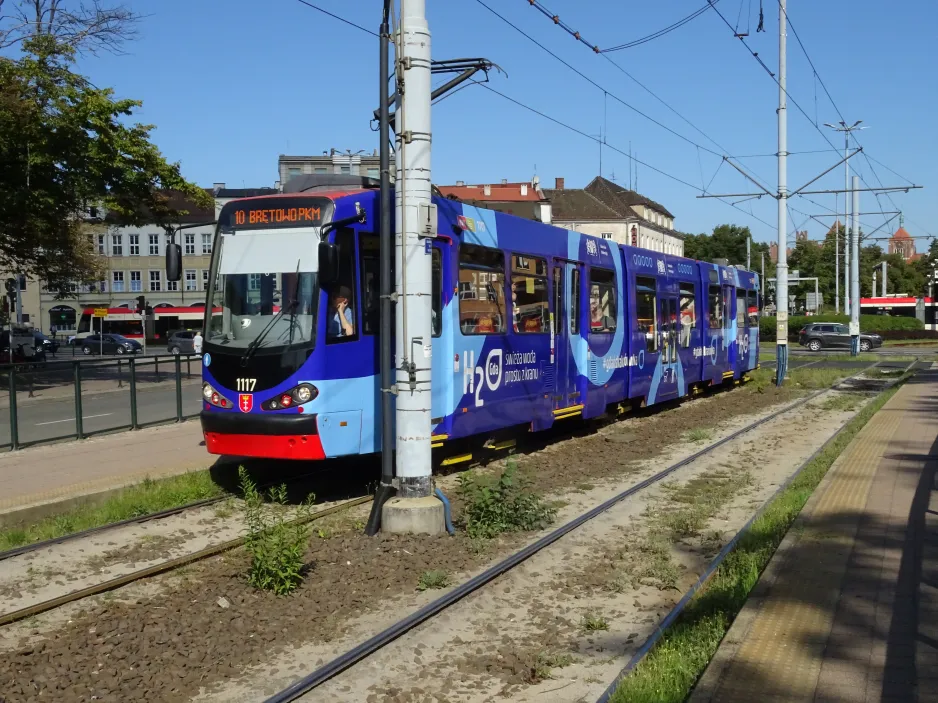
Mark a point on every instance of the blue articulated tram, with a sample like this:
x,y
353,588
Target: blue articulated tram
x,y
532,324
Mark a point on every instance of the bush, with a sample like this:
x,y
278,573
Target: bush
x,y
869,324
501,505
277,545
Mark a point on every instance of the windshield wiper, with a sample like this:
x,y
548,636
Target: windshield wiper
x,y
256,343
295,304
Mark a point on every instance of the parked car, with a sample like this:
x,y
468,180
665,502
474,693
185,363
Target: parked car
x,y
112,344
180,342
831,335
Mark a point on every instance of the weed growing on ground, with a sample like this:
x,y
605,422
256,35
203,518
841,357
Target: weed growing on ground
x,y
592,622
699,434
149,496
544,662
501,504
684,513
435,578
842,402
276,544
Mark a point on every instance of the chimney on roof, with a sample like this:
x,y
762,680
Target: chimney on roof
x,y
277,185
460,183
217,187
524,189
504,181
486,190
558,184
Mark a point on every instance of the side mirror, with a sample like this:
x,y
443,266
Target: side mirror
x,y
173,262
328,264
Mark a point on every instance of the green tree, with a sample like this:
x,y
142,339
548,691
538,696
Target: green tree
x,y
66,145
728,242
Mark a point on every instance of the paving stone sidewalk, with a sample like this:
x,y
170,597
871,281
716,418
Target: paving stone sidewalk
x,y
847,610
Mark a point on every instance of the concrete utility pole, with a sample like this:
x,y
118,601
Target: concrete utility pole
x,y
874,285
848,218
415,510
748,257
846,129
884,279
855,273
781,274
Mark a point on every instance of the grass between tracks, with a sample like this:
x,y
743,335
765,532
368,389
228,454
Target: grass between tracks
x,y
668,673
149,496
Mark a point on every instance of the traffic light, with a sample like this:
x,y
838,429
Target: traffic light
x,y
10,285
141,303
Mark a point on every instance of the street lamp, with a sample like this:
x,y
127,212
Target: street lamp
x,y
846,129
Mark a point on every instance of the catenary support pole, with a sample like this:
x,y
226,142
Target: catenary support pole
x,y
885,289
837,261
781,274
846,226
855,273
386,287
748,255
413,275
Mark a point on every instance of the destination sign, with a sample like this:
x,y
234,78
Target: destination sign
x,y
276,212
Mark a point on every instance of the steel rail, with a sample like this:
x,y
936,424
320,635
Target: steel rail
x,y
385,637
160,568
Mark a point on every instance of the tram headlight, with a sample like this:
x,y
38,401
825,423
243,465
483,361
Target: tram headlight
x,y
302,393
215,398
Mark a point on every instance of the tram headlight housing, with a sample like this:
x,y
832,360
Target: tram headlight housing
x,y
213,397
299,394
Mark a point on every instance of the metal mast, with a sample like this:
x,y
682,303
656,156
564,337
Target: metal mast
x,y
855,272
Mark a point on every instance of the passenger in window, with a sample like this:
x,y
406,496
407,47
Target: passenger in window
x,y
342,322
598,321
485,325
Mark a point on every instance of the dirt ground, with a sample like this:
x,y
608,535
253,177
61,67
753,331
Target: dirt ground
x,y
194,630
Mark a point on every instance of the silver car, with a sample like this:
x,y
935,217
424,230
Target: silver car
x,y
181,342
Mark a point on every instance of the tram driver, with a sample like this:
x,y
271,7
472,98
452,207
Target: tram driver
x,y
342,322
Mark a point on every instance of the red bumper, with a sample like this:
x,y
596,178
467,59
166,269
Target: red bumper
x,y
265,446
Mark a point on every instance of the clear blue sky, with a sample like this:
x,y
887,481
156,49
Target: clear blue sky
x,y
230,85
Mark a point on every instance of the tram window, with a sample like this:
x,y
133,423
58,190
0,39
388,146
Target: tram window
x,y
715,302
646,311
688,313
529,306
370,271
740,307
602,300
727,305
752,305
481,290
575,302
343,290
436,322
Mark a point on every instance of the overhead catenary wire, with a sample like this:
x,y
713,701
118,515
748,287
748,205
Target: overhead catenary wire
x,y
592,137
336,17
592,82
661,32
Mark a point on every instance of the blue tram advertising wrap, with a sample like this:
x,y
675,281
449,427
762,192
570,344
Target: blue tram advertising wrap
x,y
531,323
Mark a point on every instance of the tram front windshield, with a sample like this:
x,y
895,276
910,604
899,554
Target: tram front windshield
x,y
259,280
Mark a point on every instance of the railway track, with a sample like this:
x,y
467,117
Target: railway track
x,y
374,644
161,568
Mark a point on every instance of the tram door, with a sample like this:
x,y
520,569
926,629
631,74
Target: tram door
x,y
565,333
670,326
